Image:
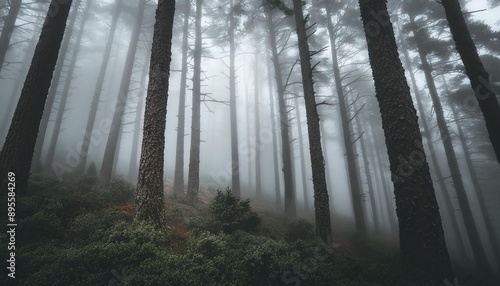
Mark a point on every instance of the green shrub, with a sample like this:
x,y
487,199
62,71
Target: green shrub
x,y
300,230
233,214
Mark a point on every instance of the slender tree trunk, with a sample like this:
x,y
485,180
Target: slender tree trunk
x,y
17,152
277,185
258,177
302,156
248,131
181,113
472,231
475,70
121,103
290,207
149,200
8,28
434,161
194,153
366,165
65,94
346,131
389,200
98,90
235,169
14,96
490,229
422,243
133,169
37,156
321,200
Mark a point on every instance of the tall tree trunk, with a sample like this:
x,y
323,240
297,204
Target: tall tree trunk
x,y
17,152
133,169
181,113
475,70
121,103
14,96
321,201
389,200
8,28
258,177
366,165
422,243
470,225
490,229
277,185
47,112
235,160
149,200
290,207
346,131
98,90
302,156
194,153
434,161
67,84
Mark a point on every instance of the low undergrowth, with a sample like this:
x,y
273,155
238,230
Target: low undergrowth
x,y
80,233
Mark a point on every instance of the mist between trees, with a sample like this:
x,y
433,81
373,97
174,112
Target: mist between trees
x,y
375,120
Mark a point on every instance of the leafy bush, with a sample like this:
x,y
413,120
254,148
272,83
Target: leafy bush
x,y
233,214
299,230
80,233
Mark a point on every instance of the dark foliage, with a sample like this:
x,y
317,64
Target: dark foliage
x,y
78,233
232,214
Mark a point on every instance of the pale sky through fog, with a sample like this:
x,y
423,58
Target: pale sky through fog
x,y
490,16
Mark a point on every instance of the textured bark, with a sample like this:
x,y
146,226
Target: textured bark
x,y
290,207
17,151
8,28
422,242
321,200
194,153
65,93
346,132
181,113
121,102
98,90
133,169
465,208
475,70
37,156
277,185
150,199
434,161
302,156
235,160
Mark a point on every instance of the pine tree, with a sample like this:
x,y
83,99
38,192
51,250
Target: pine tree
x,y
17,152
475,70
321,200
422,243
149,200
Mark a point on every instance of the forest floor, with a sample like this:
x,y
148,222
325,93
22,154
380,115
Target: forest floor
x,y
78,232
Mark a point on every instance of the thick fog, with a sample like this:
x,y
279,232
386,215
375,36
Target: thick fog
x,y
255,78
